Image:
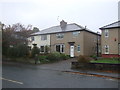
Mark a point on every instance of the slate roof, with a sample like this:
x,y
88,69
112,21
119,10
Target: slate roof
x,y
113,25
57,29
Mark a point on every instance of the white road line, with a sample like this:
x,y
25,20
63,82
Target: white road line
x,y
11,80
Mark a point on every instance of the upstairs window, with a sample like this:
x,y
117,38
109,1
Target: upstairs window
x,y
32,38
60,36
43,37
76,33
106,33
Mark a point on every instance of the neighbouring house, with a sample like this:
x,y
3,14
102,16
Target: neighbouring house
x,y
41,39
71,39
110,40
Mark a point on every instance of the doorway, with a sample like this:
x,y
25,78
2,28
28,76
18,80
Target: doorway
x,y
71,51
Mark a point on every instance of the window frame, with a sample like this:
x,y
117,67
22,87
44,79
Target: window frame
x,y
32,38
43,37
78,48
106,33
43,49
62,48
106,47
75,33
60,35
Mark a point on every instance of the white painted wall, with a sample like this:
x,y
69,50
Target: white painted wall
x,y
38,41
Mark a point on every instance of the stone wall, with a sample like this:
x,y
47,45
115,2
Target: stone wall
x,y
95,66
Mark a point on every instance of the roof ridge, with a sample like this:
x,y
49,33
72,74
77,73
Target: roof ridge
x,y
111,24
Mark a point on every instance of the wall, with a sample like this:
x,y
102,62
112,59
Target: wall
x,y
113,45
90,43
68,37
39,42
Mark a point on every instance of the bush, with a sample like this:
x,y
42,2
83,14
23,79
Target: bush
x,y
83,59
94,57
18,51
43,59
12,52
35,50
54,56
64,56
22,50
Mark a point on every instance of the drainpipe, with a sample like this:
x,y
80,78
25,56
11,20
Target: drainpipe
x,y
118,51
97,45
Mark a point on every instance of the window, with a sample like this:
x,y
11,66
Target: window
x,y
43,37
32,39
78,48
60,35
42,49
106,33
60,48
106,49
119,48
76,33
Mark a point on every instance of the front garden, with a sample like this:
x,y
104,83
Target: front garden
x,y
102,64
22,54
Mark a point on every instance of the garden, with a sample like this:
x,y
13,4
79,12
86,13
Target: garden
x,y
21,53
103,64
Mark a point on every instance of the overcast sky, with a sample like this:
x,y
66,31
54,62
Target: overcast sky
x,y
46,13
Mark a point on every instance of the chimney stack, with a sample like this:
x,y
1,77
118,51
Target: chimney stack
x,y
63,25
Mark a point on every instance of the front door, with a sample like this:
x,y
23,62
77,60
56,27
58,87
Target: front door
x,y
71,51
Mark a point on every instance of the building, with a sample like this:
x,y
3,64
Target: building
x,y
110,40
71,39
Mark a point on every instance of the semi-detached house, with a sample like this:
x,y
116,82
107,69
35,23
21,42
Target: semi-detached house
x,y
110,40
71,39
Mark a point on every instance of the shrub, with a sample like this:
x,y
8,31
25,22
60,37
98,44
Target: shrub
x,y
12,52
64,56
42,58
47,49
35,50
94,57
22,50
83,59
54,56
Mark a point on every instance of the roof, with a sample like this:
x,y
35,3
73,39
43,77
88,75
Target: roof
x,y
112,25
57,29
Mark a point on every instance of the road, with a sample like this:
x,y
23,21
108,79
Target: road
x,y
50,76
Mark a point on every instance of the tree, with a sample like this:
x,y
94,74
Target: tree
x,y
35,29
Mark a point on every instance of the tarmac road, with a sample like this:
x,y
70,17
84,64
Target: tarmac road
x,y
50,76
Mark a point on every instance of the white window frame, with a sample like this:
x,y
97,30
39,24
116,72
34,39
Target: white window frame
x,y
106,46
44,49
32,38
75,33
77,48
60,35
43,37
60,48
106,33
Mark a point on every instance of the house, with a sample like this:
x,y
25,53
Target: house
x,y
71,39
110,40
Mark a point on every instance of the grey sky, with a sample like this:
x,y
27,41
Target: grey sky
x,y
44,13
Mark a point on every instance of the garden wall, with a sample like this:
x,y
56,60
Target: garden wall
x,y
96,66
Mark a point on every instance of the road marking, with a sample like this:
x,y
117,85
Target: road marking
x,y
11,80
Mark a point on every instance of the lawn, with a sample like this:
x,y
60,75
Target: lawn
x,y
107,60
